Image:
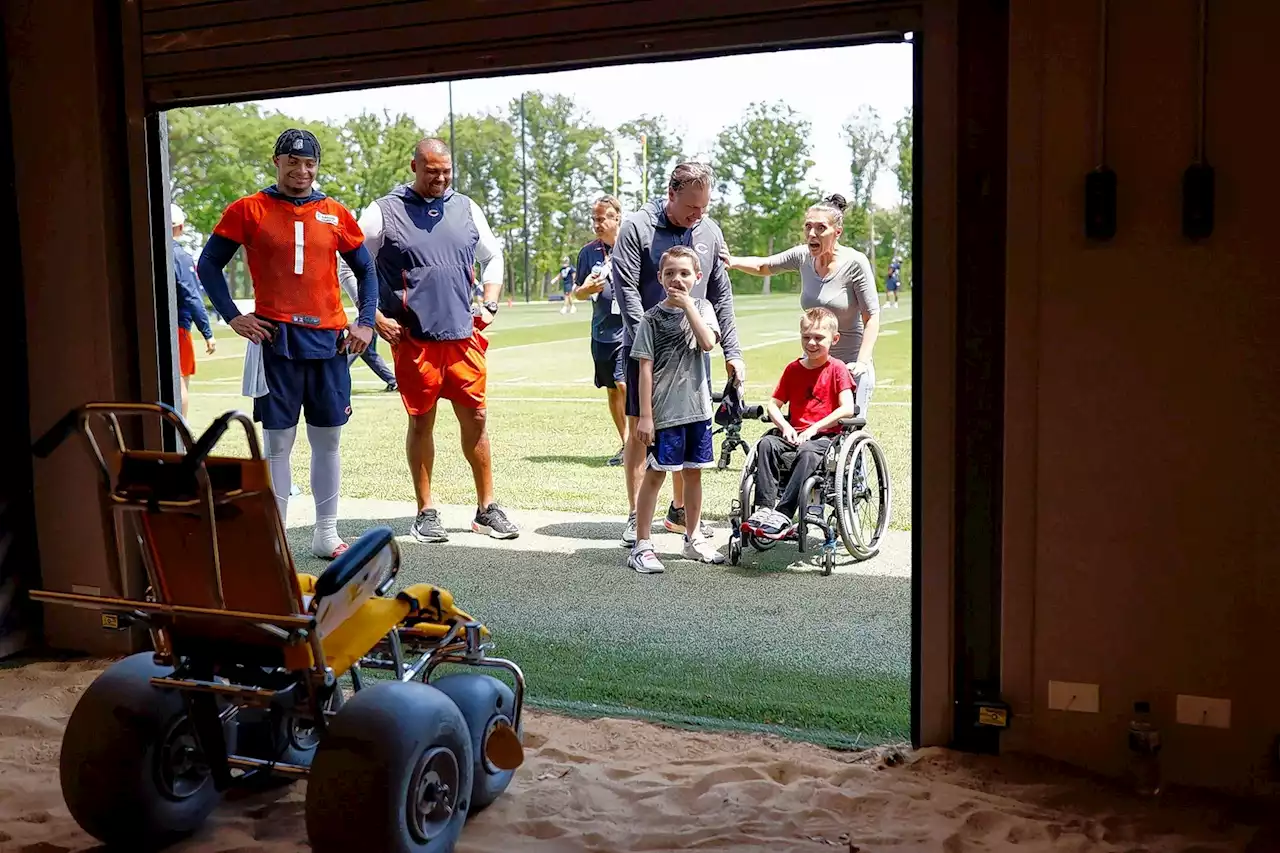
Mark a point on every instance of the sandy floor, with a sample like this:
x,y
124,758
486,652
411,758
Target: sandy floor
x,y
610,785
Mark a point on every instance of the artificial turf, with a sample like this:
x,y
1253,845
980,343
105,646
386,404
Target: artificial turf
x,y
826,659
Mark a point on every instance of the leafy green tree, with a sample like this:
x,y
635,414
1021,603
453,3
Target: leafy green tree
x,y
486,167
762,162
376,151
568,157
868,152
664,148
903,138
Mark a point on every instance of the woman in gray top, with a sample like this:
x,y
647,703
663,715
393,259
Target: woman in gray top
x,y
835,277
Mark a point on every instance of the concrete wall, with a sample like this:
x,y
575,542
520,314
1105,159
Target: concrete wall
x,y
1142,376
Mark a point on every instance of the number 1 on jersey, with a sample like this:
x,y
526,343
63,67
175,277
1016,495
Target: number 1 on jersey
x,y
298,247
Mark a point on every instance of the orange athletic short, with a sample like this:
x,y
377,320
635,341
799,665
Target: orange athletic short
x,y
429,370
186,353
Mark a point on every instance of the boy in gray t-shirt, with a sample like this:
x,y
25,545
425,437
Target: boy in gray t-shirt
x,y
671,343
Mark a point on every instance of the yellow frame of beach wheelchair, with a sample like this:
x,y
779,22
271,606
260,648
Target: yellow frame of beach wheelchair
x,y
836,489
243,681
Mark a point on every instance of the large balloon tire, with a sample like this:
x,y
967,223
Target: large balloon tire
x,y
385,754
131,773
484,701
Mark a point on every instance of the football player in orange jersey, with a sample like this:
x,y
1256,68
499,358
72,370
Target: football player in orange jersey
x,y
292,235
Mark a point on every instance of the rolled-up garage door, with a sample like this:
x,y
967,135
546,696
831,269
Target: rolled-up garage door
x,y
205,51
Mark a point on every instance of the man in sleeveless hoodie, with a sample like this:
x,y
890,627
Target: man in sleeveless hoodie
x,y
426,240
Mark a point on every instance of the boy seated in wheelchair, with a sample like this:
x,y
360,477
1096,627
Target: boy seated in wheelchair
x,y
818,392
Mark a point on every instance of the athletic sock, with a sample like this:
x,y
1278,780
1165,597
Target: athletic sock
x,y
279,444
325,476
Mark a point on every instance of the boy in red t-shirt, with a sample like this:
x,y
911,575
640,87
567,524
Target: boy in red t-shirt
x,y
818,392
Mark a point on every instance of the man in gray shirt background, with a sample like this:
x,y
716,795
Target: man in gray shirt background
x,y
677,220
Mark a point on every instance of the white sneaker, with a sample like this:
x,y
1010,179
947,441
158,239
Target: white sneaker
x,y
573,309
700,548
644,561
629,532
564,310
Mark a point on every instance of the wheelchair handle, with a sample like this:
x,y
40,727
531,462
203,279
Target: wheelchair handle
x,y
205,444
209,439
79,416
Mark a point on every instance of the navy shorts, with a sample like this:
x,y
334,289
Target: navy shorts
x,y
890,286
631,369
321,387
679,447
608,364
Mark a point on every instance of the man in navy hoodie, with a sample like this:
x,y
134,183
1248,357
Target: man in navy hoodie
x,y
679,219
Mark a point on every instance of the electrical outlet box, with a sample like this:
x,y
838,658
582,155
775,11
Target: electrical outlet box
x,y
1203,711
1072,696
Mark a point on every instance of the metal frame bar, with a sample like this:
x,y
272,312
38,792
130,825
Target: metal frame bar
x,y
100,602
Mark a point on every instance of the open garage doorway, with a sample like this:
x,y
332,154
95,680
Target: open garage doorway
x,y
829,657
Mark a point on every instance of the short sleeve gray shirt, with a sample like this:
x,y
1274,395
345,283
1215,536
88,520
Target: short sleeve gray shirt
x,y
848,289
681,379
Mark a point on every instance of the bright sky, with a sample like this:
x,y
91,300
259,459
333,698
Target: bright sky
x,y
698,98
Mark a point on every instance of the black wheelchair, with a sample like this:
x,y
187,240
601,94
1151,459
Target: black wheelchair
x,y
847,500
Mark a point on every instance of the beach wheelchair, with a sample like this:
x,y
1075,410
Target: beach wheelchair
x,y
846,500
242,687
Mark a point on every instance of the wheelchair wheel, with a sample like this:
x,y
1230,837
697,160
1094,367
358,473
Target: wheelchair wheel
x,y
132,772
735,549
484,701
747,495
863,495
393,773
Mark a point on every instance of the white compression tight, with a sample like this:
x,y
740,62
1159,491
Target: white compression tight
x,y
325,477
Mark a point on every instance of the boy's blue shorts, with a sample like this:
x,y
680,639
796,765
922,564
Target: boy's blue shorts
x,y
319,386
679,447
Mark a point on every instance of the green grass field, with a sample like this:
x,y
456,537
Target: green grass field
x,y
754,647
549,428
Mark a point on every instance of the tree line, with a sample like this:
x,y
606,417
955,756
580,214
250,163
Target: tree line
x,y
544,153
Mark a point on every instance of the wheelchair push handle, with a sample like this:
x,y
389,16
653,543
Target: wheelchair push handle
x,y
204,445
79,417
749,413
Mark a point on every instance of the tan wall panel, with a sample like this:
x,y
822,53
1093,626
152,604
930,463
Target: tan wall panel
x,y
74,234
1149,465
935,412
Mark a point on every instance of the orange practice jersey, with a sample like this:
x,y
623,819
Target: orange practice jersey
x,y
293,256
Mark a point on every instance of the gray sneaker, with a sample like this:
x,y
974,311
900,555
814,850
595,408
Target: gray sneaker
x,y
492,521
427,527
629,532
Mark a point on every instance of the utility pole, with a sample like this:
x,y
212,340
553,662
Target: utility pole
x,y
451,149
524,183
